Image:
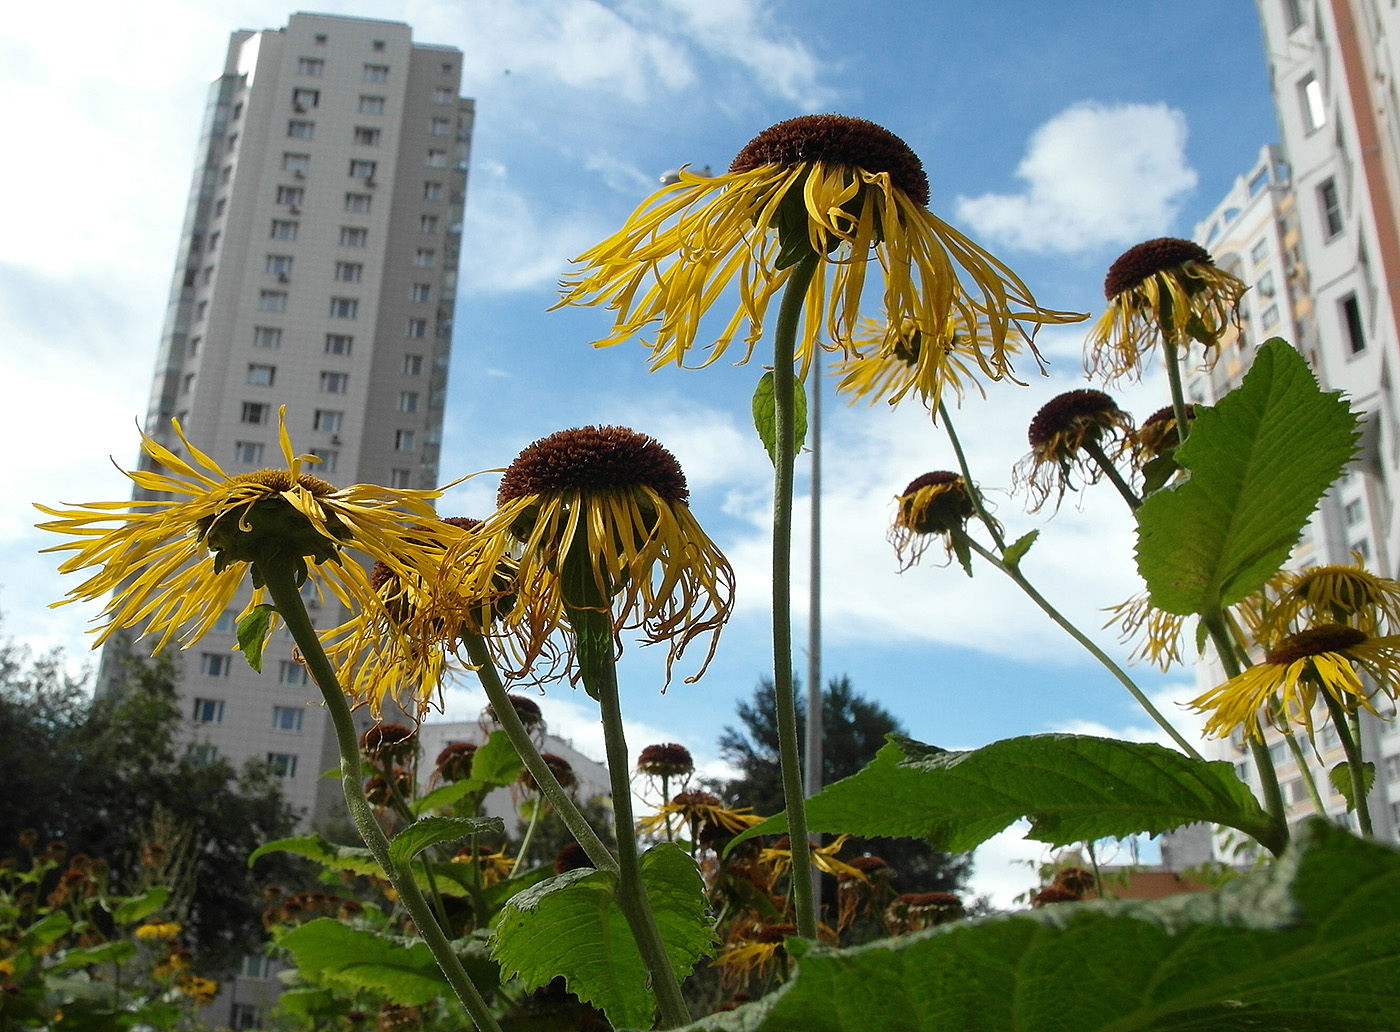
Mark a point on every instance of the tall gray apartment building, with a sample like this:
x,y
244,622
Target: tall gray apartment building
x,y
317,270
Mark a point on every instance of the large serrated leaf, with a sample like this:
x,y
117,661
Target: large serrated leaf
x,y
571,925
1311,944
135,908
429,831
495,763
1258,463
1072,788
403,970
765,414
359,860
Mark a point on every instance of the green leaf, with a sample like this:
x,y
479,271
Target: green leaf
x,y
444,795
765,414
306,1001
571,925
46,931
429,831
105,953
1309,945
1340,777
1158,472
358,860
1071,788
1258,463
495,763
1017,550
136,908
253,631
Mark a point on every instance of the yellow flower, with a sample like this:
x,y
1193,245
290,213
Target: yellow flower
x,y
1295,670
697,809
600,520
176,555
494,866
891,361
1164,288
201,990
1061,436
843,189
1345,594
1157,436
1157,632
156,931
934,504
779,857
752,953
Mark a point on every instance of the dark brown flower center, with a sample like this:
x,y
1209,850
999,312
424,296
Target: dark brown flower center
x,y
1314,642
837,140
684,799
1071,410
936,479
667,758
1147,259
281,480
596,458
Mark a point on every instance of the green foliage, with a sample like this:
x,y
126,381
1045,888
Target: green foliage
x,y
1214,537
1071,788
430,831
253,630
1340,778
572,925
765,414
1308,945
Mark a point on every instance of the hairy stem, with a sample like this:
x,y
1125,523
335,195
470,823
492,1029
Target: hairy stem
x,y
1351,745
1173,363
1301,759
974,495
1115,478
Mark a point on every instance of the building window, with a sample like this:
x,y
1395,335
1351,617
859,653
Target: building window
x,y
295,162
1392,768
422,292
358,202
237,113
328,420
378,46
201,309
1331,204
232,142
408,401
362,169
425,258
349,272
353,236
284,229
398,477
376,73
283,765
248,452
256,965
261,375
220,206
208,711
291,195
225,174
440,127
194,345
214,241
418,327
301,130
442,95
1351,322
366,137
432,191
278,265
1362,548
339,343
227,623
310,66
267,337
1293,14
437,159
1259,251
447,68
289,671
344,308
286,718
203,754
427,223
329,459
207,276
187,384
215,664
304,98
1269,317
1353,512
371,105
412,365
1310,98
335,383
403,440
272,300
256,412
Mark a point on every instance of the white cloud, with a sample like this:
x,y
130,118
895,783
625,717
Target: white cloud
x,y
1095,174
1005,867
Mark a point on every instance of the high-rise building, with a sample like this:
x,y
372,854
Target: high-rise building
x,y
317,272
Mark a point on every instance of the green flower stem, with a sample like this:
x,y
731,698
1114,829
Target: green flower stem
x,y
665,800
1137,693
1115,478
1301,759
400,805
530,831
510,722
1351,745
974,495
1268,777
1173,364
785,696
631,893
1014,573
281,585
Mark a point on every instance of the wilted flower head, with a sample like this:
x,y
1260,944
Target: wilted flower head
x,y
1061,436
527,709
935,504
389,743
842,191
1165,288
1347,594
666,760
561,768
454,763
915,910
1157,436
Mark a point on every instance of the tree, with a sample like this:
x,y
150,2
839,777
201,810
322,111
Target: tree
x,y
106,778
853,730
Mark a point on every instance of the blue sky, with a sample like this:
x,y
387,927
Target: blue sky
x,y
1055,134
